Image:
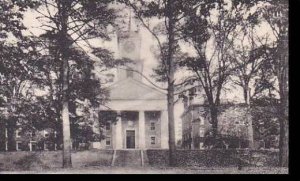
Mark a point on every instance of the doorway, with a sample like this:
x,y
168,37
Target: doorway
x,y
130,139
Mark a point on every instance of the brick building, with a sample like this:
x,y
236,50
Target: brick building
x,y
235,122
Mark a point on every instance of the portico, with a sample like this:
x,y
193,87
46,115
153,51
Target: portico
x,y
140,120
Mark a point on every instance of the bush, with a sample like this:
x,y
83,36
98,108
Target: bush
x,y
214,158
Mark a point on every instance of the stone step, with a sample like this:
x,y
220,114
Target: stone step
x,y
128,158
145,158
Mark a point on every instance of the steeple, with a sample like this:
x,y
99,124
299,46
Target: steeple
x,y
133,26
129,23
129,46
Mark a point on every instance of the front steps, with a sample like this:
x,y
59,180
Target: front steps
x,y
129,158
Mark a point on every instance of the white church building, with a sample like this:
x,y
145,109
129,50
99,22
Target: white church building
x,y
141,110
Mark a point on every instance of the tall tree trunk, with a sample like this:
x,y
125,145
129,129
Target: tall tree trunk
x,y
171,121
171,125
2,135
246,95
214,120
11,134
282,76
66,119
283,143
64,42
250,138
283,121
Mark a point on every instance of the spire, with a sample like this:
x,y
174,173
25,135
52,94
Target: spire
x,y
132,24
129,23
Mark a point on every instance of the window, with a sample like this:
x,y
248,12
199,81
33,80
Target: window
x,y
32,146
152,140
152,126
107,126
108,141
18,145
46,145
32,133
18,133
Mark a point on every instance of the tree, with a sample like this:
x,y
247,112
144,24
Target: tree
x,y
159,71
265,123
247,61
210,27
17,60
68,23
276,15
16,71
271,79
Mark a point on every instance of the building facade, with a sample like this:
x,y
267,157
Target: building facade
x,y
13,138
235,123
140,110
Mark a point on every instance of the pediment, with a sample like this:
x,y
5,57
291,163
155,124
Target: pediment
x,y
131,89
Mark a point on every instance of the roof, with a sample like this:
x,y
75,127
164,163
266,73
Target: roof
x,y
131,89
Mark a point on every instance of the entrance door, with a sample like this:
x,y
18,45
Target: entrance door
x,y
130,139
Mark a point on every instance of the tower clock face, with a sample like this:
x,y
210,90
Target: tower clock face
x,y
129,46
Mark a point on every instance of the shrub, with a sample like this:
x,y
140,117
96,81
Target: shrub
x,y
214,157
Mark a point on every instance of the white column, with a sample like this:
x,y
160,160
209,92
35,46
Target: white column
x,y
6,137
17,146
118,133
164,130
142,140
192,137
30,146
250,132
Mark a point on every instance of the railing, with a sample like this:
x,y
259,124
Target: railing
x,y
113,158
142,158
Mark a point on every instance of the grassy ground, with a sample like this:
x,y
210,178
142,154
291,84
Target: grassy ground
x,y
45,160
98,162
156,170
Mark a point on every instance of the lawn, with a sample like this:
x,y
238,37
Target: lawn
x,y
45,160
99,161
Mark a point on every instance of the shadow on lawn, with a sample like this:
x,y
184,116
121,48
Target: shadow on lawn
x,y
31,162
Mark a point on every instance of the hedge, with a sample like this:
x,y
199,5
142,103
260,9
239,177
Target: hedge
x,y
215,158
